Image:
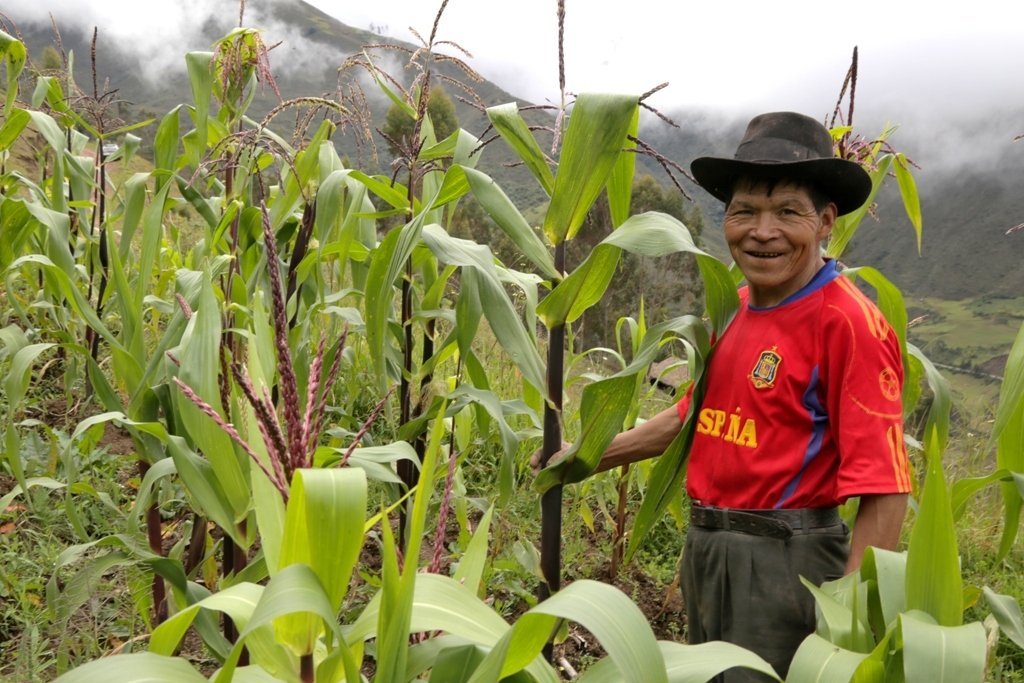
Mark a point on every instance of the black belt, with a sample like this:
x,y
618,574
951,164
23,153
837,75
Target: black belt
x,y
771,523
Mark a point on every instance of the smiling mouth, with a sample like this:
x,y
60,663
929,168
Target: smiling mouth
x,y
764,254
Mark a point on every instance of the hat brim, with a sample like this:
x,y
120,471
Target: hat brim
x,y
844,182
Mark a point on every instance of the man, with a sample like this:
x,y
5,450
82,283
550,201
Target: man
x,y
803,404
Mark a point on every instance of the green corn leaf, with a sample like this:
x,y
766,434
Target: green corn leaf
x,y
456,664
603,410
200,367
200,76
204,487
17,380
14,54
819,661
934,653
443,604
1007,613
510,442
471,565
494,301
380,302
45,482
846,226
12,128
1011,391
594,139
934,584
964,489
134,203
616,622
324,529
140,667
688,663
398,594
937,425
237,601
838,623
886,573
620,182
295,589
499,207
647,234
1010,455
165,145
908,192
392,193
509,123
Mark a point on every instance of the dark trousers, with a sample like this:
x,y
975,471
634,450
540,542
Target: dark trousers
x,y
745,589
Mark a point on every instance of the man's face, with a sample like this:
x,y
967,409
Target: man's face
x,y
775,238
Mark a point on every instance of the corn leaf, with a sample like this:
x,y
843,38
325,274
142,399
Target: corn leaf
x,y
495,303
846,226
295,589
1007,613
1009,434
593,141
616,622
936,430
139,667
908,192
648,234
839,624
14,54
237,601
499,207
509,123
934,584
886,572
603,410
471,565
398,595
12,128
200,367
819,661
934,653
200,77
323,529
688,663
620,182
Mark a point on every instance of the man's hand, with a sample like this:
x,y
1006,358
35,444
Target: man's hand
x,y
555,457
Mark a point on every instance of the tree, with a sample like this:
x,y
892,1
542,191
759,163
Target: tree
x,y
398,125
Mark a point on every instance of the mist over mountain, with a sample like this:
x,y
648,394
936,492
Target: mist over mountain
x,y
969,176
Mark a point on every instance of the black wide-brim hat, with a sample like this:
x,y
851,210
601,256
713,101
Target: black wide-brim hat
x,y
786,146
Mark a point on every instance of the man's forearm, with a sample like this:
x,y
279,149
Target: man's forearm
x,y
878,524
646,441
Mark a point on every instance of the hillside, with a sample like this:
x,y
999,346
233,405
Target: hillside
x,y
310,48
967,207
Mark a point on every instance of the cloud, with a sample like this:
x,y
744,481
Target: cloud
x,y
158,37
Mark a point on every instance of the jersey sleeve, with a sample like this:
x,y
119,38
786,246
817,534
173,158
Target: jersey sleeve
x,y
864,396
684,404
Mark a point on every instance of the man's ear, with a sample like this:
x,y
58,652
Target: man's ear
x,y
828,220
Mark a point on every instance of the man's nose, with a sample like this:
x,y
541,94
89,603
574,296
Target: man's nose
x,y
765,226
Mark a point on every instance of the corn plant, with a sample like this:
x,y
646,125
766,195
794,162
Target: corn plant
x,y
292,633
900,617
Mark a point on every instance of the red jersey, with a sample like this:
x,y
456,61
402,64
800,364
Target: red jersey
x,y
803,406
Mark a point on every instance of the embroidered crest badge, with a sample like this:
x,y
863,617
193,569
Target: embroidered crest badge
x,y
767,368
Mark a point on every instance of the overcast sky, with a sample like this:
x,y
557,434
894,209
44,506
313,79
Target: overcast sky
x,y
741,54
919,63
